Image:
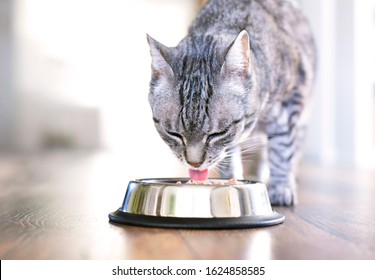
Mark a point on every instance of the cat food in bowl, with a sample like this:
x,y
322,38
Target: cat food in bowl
x,y
209,204
211,182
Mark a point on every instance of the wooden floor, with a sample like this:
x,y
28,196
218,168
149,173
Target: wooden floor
x,y
56,207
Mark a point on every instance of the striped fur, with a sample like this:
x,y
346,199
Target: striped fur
x,y
245,66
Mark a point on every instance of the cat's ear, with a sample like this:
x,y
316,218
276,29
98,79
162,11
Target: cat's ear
x,y
237,60
159,54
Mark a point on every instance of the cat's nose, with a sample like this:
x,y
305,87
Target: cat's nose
x,y
195,164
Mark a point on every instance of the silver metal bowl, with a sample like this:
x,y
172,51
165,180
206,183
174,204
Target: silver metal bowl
x,y
164,203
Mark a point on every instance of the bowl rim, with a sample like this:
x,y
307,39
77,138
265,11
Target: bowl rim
x,y
171,181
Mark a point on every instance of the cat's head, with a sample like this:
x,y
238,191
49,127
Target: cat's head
x,y
202,96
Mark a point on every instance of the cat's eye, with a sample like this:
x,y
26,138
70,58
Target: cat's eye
x,y
216,135
175,135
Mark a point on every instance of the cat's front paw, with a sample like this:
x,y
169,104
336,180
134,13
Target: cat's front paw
x,y
282,195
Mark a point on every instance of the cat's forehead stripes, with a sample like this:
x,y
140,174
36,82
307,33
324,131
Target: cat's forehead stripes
x,y
196,71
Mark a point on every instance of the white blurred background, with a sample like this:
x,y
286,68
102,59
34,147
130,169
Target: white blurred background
x,y
74,75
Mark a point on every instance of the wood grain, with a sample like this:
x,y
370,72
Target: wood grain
x,y
55,206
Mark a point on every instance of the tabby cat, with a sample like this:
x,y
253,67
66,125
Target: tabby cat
x,y
244,66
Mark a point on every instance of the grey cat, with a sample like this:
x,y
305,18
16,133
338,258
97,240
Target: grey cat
x,y
244,66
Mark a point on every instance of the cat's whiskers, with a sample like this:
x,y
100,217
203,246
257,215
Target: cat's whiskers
x,y
218,168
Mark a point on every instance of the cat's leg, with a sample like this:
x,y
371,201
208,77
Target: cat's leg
x,y
263,171
282,181
254,157
231,166
283,153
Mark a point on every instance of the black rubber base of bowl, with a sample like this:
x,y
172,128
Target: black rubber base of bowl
x,y
196,223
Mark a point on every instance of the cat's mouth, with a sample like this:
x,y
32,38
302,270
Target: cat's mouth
x,y
198,175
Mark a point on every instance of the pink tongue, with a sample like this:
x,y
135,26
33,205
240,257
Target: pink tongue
x,y
198,175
